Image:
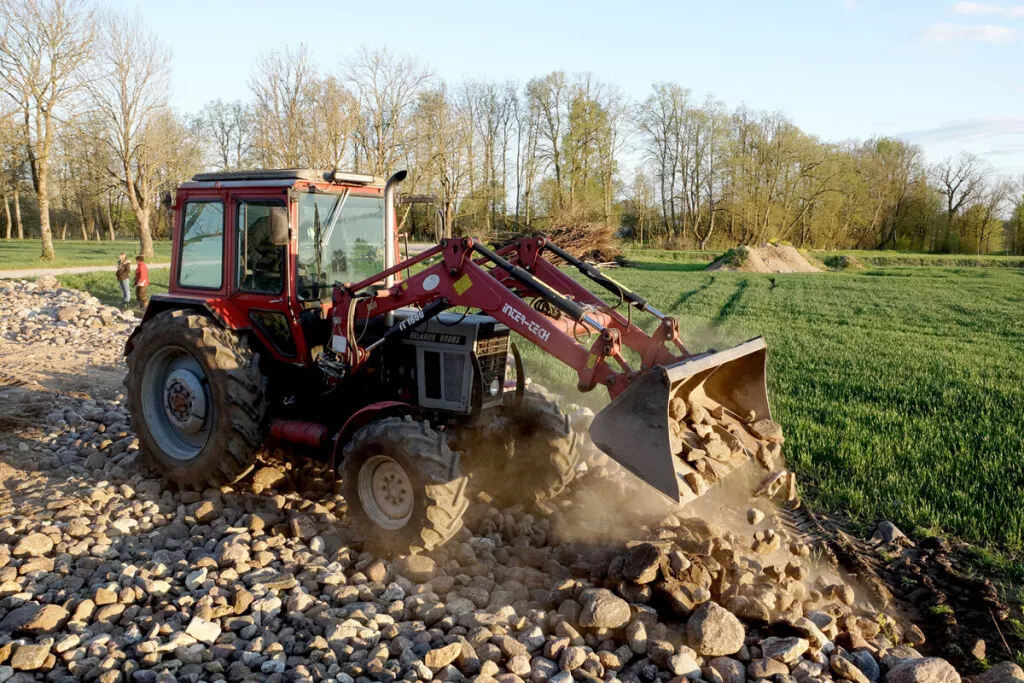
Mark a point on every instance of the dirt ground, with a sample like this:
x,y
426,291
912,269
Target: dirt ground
x,y
91,371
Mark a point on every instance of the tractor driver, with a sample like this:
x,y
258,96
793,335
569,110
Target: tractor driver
x,y
263,258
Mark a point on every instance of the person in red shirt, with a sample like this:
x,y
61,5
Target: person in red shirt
x,y
141,282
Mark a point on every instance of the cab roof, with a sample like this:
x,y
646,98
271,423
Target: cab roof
x,y
278,177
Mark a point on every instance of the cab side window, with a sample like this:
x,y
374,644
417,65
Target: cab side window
x,y
259,264
201,258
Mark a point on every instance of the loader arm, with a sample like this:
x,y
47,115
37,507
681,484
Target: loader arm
x,y
681,454
498,287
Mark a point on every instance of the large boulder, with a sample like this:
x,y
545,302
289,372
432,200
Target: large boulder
x,y
730,670
48,620
603,609
47,283
641,563
1004,672
714,631
924,670
33,545
416,568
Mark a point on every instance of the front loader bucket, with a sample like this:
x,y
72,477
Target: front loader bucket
x,y
683,457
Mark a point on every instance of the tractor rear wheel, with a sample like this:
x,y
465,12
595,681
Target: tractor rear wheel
x,y
196,398
524,454
402,483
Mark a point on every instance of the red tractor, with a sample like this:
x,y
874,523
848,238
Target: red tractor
x,y
288,318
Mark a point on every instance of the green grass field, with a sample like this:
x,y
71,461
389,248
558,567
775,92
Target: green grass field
x,y
901,390
20,254
698,259
909,258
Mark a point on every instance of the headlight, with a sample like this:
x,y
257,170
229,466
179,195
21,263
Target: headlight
x,y
495,387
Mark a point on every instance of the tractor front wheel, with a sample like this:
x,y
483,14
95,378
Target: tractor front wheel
x,y
404,490
196,399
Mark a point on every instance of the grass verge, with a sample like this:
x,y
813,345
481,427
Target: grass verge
x,y
23,254
104,286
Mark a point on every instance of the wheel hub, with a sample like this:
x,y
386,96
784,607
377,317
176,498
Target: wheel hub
x,y
185,401
386,492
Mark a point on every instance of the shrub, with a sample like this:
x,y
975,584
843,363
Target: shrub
x,y
736,257
842,262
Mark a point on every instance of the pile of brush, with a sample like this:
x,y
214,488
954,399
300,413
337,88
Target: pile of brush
x,y
571,230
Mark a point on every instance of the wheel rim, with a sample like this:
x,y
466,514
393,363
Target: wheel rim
x,y
386,492
176,402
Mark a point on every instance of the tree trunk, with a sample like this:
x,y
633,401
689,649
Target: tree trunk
x,y
17,216
145,237
45,233
110,223
64,232
89,224
7,215
85,234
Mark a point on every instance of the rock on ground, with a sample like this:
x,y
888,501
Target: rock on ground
x,y
713,631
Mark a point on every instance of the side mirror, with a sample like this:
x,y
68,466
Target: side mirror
x,y
167,201
279,234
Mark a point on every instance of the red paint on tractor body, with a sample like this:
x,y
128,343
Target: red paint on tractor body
x,y
300,432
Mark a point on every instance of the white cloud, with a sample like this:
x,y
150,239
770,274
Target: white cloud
x,y
982,8
969,129
849,5
1006,151
983,33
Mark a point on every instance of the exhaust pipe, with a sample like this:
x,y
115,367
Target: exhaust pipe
x,y
391,224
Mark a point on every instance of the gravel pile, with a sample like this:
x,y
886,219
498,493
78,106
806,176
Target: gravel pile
x,y
43,312
108,575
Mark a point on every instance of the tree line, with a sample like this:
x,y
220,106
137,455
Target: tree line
x,y
89,142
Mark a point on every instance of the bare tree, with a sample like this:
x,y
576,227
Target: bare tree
x,y
445,129
387,86
174,151
228,125
993,199
283,88
131,89
659,122
960,180
44,45
333,125
11,160
549,103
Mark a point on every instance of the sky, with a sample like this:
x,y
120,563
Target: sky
x,y
946,75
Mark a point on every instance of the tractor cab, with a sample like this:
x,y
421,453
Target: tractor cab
x,y
261,250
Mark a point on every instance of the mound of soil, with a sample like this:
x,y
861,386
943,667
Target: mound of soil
x,y
767,258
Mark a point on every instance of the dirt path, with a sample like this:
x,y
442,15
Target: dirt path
x,y
83,372
74,270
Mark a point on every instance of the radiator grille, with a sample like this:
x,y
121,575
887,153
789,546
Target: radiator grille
x,y
454,372
487,347
492,355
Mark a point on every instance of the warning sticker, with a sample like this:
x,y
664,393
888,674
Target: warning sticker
x,y
462,284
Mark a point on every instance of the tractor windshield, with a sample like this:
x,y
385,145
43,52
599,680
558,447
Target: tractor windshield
x,y
341,239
